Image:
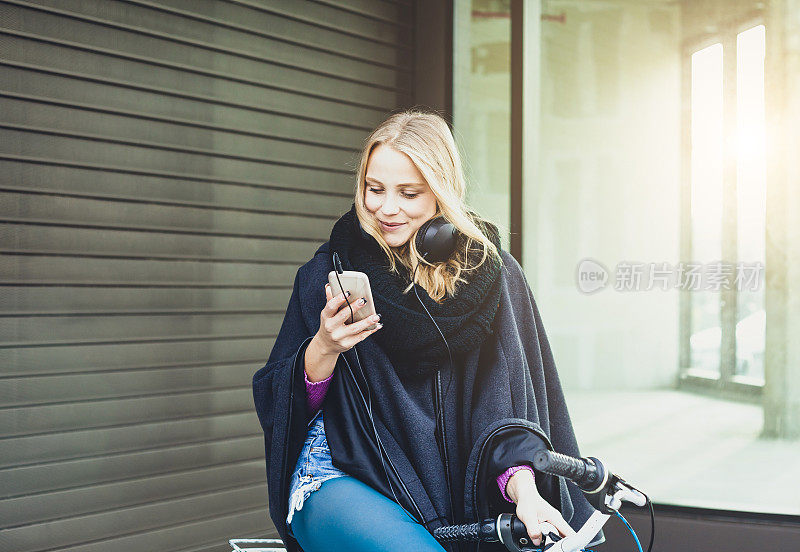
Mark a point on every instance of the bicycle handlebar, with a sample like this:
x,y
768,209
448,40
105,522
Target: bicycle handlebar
x,y
587,473
604,490
507,529
591,477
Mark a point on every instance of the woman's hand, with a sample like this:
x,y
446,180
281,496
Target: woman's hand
x,y
335,335
532,509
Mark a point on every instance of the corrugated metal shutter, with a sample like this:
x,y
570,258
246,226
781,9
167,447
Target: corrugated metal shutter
x,y
166,167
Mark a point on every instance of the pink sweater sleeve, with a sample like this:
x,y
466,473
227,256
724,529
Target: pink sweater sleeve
x,y
315,392
502,480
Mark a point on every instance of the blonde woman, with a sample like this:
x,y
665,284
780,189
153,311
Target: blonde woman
x,y
374,438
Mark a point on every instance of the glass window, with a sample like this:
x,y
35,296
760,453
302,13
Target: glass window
x,y
482,106
657,205
706,204
751,198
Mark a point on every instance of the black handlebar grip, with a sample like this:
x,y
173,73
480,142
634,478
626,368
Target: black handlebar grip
x,y
484,531
579,470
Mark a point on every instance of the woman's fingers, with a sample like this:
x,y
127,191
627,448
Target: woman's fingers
x,y
539,516
561,525
334,319
551,520
362,325
360,331
540,519
333,305
534,530
528,516
343,331
344,313
546,528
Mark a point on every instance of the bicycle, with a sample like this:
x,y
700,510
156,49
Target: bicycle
x,y
604,490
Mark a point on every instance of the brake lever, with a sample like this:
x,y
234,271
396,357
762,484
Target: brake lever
x,y
550,535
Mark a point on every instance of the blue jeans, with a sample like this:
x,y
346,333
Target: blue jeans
x,y
331,511
346,515
314,466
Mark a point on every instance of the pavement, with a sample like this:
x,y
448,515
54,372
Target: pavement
x,y
689,450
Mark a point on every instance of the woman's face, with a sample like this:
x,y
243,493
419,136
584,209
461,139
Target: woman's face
x,y
397,195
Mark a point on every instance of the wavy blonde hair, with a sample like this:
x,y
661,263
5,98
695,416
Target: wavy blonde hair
x,y
426,139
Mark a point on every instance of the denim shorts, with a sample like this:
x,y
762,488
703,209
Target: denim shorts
x,y
314,466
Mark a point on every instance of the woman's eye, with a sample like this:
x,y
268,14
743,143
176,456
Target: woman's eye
x,y
411,196
375,190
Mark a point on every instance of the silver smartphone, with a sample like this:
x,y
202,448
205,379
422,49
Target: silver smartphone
x,y
357,283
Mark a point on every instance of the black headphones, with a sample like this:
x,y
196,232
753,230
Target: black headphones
x,y
436,239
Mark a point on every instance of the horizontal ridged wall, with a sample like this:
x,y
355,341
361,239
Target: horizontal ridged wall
x,y
165,167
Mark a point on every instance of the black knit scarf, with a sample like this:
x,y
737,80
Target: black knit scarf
x,y
408,336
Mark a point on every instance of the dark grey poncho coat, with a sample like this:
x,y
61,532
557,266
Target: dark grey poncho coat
x,y
504,403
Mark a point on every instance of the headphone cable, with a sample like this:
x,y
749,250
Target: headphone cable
x,y
449,354
439,407
368,401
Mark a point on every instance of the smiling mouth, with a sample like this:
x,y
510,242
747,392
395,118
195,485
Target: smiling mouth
x,y
390,227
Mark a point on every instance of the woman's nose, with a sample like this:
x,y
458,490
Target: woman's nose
x,y
390,206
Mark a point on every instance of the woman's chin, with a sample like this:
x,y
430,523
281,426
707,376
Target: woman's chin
x,y
394,241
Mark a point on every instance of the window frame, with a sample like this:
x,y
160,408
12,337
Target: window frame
x,y
726,383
